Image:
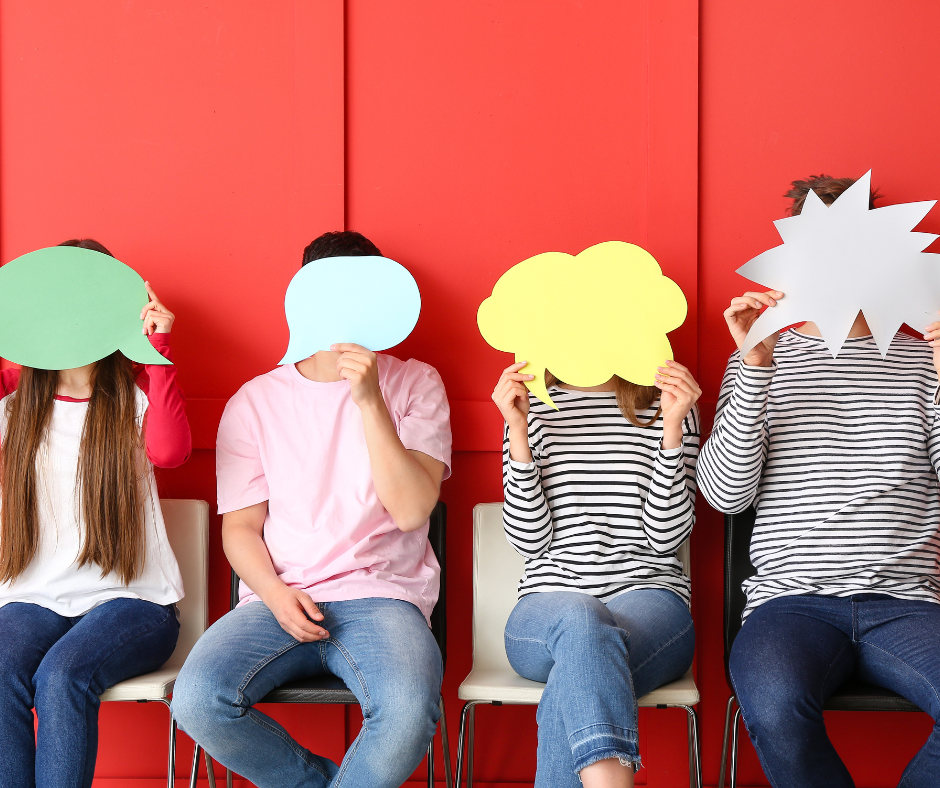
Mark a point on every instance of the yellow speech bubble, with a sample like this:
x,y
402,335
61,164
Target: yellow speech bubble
x,y
587,317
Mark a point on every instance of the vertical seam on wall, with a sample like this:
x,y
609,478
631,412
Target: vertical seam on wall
x,y
345,118
646,164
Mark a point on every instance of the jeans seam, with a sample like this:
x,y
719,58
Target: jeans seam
x,y
254,670
760,752
366,703
664,646
111,654
287,739
906,664
832,665
347,759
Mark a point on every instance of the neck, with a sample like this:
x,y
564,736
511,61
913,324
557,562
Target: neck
x,y
76,382
610,385
859,328
320,367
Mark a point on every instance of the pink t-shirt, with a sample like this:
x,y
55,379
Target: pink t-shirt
x,y
300,446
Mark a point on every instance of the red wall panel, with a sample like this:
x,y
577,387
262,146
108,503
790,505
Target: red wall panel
x,y
207,143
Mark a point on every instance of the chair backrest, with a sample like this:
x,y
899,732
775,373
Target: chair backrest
x,y
437,536
497,568
738,568
187,528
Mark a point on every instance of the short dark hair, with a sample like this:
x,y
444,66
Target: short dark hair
x,y
826,187
87,243
342,243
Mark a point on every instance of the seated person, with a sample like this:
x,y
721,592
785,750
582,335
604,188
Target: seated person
x,y
327,472
599,494
840,457
88,580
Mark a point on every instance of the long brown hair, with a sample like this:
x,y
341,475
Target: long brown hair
x,y
630,398
111,465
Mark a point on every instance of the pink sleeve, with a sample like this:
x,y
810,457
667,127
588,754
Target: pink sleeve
x,y
425,425
239,470
169,441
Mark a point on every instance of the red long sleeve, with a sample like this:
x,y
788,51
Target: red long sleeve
x,y
9,380
169,441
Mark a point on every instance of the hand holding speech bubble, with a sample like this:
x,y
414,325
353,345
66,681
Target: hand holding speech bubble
x,y
65,307
369,301
585,318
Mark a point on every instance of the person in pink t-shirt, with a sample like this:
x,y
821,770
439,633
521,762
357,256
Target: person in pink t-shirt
x,y
328,470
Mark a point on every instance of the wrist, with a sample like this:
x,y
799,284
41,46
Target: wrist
x,y
672,435
758,359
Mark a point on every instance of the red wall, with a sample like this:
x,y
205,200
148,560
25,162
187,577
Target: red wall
x,y
207,143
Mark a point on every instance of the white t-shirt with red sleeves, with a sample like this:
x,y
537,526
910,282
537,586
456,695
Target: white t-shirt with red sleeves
x,y
300,446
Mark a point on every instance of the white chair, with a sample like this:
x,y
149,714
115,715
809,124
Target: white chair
x,y
187,526
497,568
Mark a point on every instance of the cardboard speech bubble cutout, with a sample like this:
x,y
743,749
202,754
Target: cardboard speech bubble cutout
x,y
369,301
585,318
64,307
837,260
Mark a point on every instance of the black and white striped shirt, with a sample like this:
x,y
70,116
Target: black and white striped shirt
x,y
602,508
840,457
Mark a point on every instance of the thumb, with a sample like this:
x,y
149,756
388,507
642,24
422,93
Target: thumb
x,y
307,604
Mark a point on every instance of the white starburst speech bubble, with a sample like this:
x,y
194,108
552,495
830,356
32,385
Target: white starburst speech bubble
x,y
836,260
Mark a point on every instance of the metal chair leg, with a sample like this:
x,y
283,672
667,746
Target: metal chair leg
x,y
431,763
734,748
210,769
445,741
171,757
194,772
466,717
695,749
724,742
228,777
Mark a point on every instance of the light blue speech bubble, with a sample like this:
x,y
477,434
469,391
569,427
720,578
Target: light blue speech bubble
x,y
369,301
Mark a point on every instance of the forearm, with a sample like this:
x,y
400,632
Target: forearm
x,y
405,488
669,509
169,440
729,469
249,557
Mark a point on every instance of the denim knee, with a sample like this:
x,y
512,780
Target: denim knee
x,y
54,683
197,699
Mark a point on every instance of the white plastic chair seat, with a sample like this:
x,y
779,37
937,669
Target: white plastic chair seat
x,y
151,686
509,687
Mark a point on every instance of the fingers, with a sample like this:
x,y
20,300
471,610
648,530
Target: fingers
x,y
515,367
150,292
310,607
350,347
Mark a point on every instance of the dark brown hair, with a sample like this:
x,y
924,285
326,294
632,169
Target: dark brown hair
x,y
826,187
341,243
630,398
111,465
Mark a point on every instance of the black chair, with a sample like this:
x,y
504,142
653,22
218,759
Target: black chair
x,y
854,695
331,689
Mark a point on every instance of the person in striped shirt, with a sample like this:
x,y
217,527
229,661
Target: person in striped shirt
x,y
599,494
840,457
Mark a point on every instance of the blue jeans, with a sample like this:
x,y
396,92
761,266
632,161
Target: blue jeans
x,y
381,648
60,666
794,651
595,659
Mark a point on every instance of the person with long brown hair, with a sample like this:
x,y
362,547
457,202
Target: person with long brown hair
x,y
599,495
88,581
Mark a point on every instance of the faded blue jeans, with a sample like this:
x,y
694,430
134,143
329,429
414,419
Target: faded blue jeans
x,y
595,659
381,648
794,651
60,666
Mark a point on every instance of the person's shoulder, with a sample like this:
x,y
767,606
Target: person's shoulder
x,y
260,388
395,372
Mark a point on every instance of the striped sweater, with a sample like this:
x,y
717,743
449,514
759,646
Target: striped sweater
x,y
602,508
840,457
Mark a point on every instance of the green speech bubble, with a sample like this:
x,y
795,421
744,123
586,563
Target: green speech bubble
x,y
64,307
